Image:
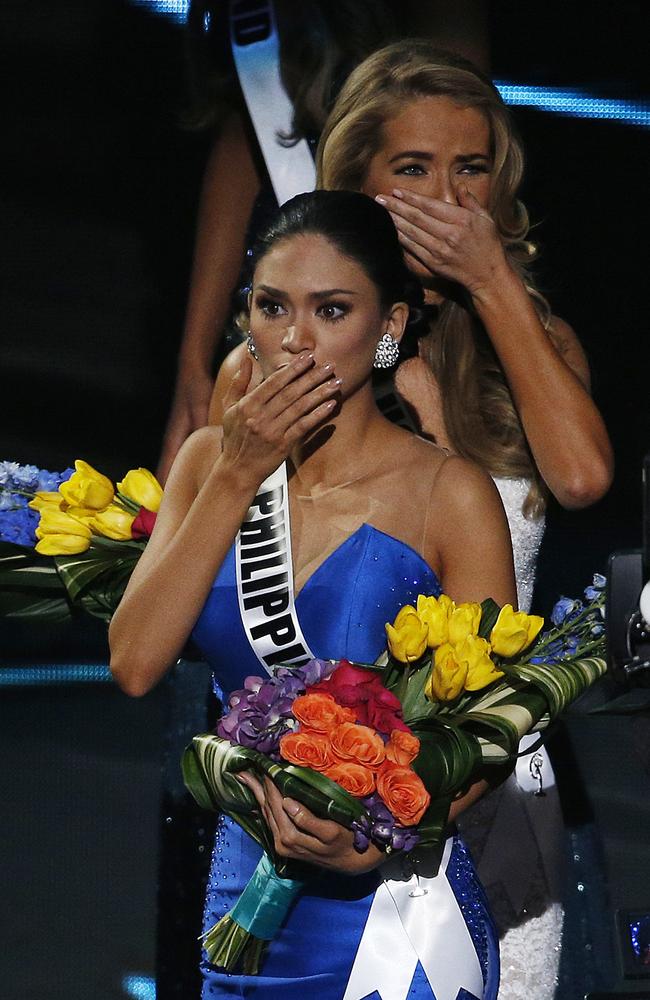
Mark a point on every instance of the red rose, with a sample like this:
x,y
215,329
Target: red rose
x,y
362,690
143,524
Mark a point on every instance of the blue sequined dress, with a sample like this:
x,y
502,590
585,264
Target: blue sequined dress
x,y
342,609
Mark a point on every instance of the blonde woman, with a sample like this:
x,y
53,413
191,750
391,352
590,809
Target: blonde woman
x,y
498,379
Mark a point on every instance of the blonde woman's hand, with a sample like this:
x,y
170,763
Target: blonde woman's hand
x,y
457,242
262,425
299,834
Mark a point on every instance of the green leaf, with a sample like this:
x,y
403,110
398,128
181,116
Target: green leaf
x,y
25,568
489,614
30,586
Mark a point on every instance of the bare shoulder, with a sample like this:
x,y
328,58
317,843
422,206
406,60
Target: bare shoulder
x,y
423,456
567,344
197,457
232,362
464,487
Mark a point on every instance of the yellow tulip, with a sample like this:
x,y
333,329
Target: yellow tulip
x,y
434,612
463,621
474,652
87,488
447,677
62,545
114,522
514,631
407,637
84,514
143,488
60,534
44,499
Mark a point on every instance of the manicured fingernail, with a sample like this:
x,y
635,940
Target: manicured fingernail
x,y
338,382
397,193
380,198
328,366
290,806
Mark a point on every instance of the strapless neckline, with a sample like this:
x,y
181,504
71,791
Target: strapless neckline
x,y
340,551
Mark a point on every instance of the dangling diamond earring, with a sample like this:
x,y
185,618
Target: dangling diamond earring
x,y
250,345
387,352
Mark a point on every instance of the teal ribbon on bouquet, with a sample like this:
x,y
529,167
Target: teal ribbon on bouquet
x,y
210,765
240,937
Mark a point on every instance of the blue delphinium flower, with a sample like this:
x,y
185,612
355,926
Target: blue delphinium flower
x,y
564,607
18,526
17,484
7,472
49,482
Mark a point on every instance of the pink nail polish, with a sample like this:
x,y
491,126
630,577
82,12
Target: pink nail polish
x,y
380,198
398,193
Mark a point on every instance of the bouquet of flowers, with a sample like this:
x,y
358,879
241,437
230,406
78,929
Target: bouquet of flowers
x,y
70,540
383,749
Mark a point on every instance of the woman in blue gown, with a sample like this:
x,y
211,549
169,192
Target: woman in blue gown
x,y
373,516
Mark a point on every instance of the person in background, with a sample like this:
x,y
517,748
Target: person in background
x,y
320,44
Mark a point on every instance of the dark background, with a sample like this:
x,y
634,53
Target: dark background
x,y
98,202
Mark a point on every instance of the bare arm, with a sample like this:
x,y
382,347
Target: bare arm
x,y
547,372
468,535
230,186
210,489
475,553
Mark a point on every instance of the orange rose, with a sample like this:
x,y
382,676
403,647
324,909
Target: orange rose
x,y
354,778
357,743
402,748
307,749
403,793
320,712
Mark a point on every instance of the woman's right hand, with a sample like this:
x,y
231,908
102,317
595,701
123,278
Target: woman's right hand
x,y
261,426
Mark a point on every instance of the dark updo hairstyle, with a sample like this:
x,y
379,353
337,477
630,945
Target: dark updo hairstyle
x,y
361,230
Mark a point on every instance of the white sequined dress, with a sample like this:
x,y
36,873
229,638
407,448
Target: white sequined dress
x,y
515,835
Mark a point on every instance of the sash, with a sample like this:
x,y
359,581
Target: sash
x,y
265,577
256,51
419,920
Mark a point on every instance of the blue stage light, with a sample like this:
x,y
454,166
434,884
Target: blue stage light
x,y
55,673
175,10
139,987
575,103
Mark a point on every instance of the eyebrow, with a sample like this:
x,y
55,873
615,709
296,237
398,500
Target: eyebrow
x,y
279,293
419,154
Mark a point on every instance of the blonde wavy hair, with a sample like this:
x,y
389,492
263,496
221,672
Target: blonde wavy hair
x,y
478,409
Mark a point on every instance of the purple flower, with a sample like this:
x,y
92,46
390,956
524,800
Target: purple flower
x,y
361,841
377,825
259,714
404,838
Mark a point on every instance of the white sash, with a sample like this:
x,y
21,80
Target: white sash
x,y
256,51
418,920
265,577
